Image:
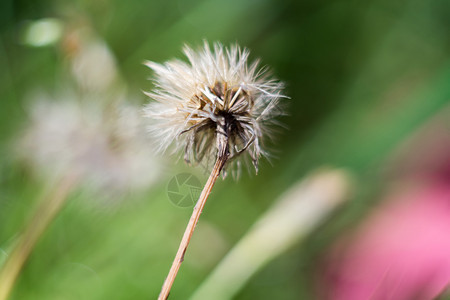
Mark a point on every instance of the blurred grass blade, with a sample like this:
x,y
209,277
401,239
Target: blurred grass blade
x,y
292,218
46,212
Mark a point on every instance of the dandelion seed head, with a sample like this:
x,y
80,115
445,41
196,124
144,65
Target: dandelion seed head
x,y
216,94
101,145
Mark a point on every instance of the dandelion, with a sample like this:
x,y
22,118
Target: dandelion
x,y
217,108
215,105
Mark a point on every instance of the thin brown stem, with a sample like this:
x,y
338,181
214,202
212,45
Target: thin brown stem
x,y
44,215
190,227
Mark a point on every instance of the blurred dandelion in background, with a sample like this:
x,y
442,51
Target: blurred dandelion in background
x,y
91,62
80,138
88,126
106,148
103,149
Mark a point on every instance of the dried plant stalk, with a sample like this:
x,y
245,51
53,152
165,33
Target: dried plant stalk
x,y
216,107
190,227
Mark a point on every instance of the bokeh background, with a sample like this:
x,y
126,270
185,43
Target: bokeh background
x,y
364,77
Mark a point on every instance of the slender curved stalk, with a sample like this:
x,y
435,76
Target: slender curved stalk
x,y
46,212
190,228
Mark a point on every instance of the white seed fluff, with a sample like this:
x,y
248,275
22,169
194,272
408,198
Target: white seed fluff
x,y
216,94
103,146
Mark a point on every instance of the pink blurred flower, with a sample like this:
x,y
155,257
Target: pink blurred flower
x,y
402,251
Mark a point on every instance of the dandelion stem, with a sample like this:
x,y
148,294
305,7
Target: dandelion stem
x,y
220,162
44,215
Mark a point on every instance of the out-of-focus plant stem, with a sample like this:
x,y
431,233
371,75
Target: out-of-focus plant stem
x,y
45,213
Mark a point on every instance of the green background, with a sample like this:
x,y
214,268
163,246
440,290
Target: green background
x,y
362,76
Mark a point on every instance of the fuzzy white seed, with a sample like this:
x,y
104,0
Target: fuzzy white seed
x,y
214,104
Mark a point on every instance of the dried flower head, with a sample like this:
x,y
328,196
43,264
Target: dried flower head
x,y
217,104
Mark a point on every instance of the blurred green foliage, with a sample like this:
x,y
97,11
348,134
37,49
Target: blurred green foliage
x,y
362,76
